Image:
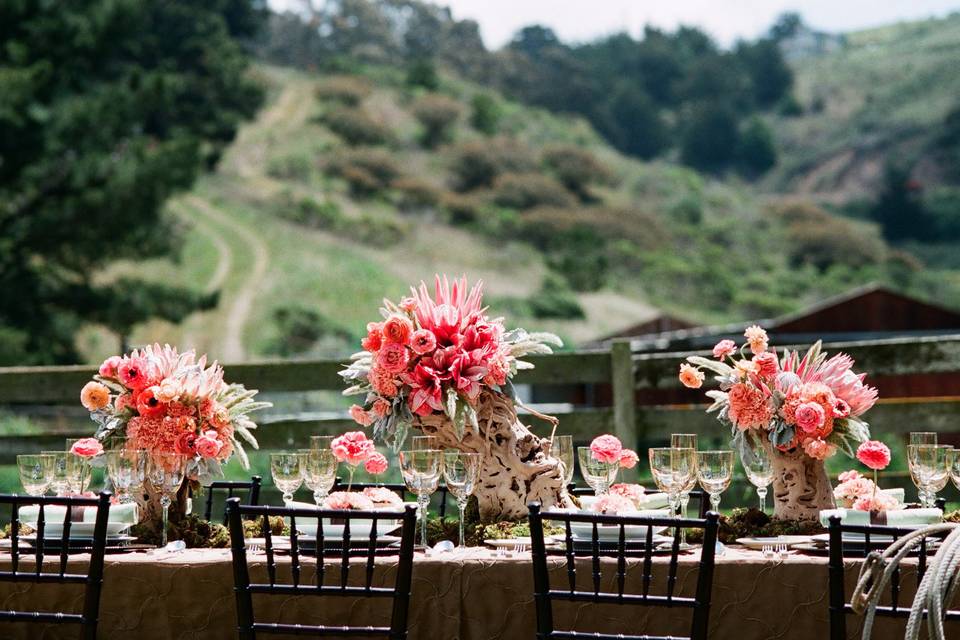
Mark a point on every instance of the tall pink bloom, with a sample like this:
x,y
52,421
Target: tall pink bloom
x,y
628,459
724,348
353,447
874,454
606,448
376,463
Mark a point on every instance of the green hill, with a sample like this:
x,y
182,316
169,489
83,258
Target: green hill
x,y
336,196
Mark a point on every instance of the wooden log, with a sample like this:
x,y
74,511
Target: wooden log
x,y
801,488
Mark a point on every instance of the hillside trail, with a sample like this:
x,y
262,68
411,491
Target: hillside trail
x,y
240,302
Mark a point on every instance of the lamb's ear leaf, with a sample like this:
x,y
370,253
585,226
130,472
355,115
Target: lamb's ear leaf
x,y
716,366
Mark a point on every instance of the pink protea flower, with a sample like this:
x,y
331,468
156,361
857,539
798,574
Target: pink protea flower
x,y
748,407
397,330
767,364
612,504
423,342
874,454
606,448
628,459
810,417
691,377
450,304
352,447
724,348
756,338
360,416
376,463
393,358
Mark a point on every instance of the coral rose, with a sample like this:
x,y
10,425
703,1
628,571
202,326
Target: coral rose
x,y
874,454
87,447
767,364
724,348
757,338
352,447
207,445
94,396
393,358
397,330
606,448
423,342
186,443
810,417
109,367
691,377
376,463
360,416
628,459
374,339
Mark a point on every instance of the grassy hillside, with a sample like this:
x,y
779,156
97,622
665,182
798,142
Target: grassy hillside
x,y
333,197
884,94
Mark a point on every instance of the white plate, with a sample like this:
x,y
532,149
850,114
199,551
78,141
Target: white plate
x,y
859,538
359,528
611,532
507,543
79,530
111,540
759,543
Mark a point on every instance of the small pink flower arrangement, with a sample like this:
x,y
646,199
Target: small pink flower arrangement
x,y
355,448
812,403
348,501
383,497
611,504
164,401
633,492
608,449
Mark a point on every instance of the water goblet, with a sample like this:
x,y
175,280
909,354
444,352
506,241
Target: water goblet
x,y
287,471
319,473
921,438
715,471
685,441
421,472
422,443
672,469
929,470
562,450
759,468
599,475
60,484
954,460
36,472
166,473
125,468
321,442
461,472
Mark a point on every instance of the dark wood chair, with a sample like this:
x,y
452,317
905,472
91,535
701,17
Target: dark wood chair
x,y
327,560
545,594
231,487
398,488
701,497
42,548
876,538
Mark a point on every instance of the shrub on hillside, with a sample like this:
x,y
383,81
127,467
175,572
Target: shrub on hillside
x,y
555,300
356,127
298,329
461,209
576,168
822,240
309,212
437,115
527,190
756,153
367,171
423,74
485,113
477,164
296,166
346,90
414,193
378,231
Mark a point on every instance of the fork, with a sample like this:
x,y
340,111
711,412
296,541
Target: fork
x,y
767,550
782,549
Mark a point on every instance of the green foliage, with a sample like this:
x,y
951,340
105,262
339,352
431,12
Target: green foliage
x,y
295,166
368,171
310,212
710,139
576,168
753,523
348,91
527,190
299,329
632,122
756,153
356,127
770,76
899,208
819,239
485,113
555,300
196,532
478,164
437,114
423,74
106,110
414,193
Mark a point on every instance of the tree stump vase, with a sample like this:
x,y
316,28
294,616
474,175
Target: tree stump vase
x,y
517,467
801,487
151,511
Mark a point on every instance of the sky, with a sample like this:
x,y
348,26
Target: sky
x,y
725,20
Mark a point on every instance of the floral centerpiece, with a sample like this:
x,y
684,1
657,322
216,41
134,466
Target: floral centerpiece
x,y
439,364
162,401
801,409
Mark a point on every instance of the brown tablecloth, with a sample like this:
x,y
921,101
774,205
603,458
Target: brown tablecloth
x,y
474,596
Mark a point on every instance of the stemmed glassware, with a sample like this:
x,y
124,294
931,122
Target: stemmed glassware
x,y
166,472
287,471
685,441
421,472
422,443
84,473
599,475
929,470
60,483
126,469
321,442
921,438
36,472
954,462
715,471
319,472
672,470
562,449
461,471
759,468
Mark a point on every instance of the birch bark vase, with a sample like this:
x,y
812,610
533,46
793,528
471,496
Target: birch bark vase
x,y
517,466
801,487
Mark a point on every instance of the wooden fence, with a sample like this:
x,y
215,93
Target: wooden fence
x,y
56,389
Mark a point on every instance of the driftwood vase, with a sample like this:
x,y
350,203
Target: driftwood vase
x,y
151,511
517,466
801,487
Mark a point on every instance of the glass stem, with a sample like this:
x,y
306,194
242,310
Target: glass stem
x,y
422,501
762,492
350,477
684,503
318,498
462,506
715,502
165,503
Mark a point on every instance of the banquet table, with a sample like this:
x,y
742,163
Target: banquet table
x,y
472,595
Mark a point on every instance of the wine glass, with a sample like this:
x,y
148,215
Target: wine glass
x,y
929,470
599,475
125,468
715,470
954,461
60,483
36,472
166,472
461,471
562,449
421,472
87,471
287,471
685,441
756,462
672,470
321,442
423,443
319,472
921,438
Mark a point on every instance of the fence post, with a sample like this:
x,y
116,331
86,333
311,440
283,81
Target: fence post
x,y
622,378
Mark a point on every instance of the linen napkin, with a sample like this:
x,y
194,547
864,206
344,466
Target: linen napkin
x,y
894,517
126,513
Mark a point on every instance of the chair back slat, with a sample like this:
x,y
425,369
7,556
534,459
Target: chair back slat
x,y
619,551
232,487
268,548
92,579
349,546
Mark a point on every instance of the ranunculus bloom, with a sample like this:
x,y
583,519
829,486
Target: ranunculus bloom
x,y
87,447
397,330
629,459
134,373
724,348
94,396
874,454
810,417
374,339
767,365
376,463
818,449
757,338
352,447
186,443
393,358
148,405
691,377
423,342
606,448
207,445
109,367
381,408
360,416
